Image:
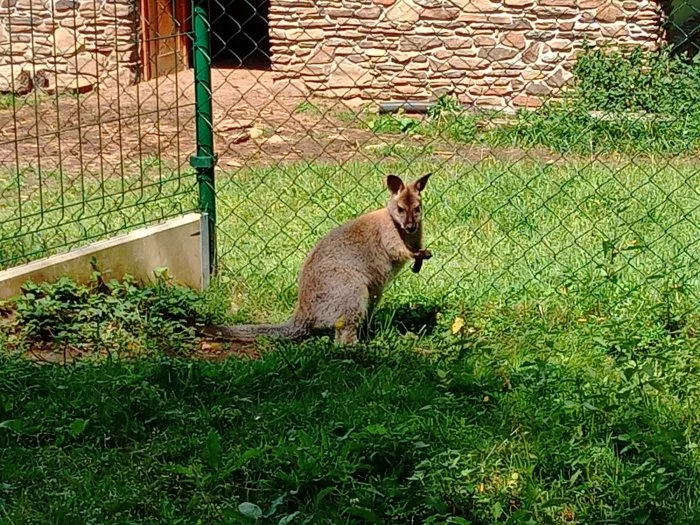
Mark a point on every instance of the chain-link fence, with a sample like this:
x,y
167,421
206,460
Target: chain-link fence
x,y
562,141
96,131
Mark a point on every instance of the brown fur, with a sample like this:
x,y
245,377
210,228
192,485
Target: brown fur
x,y
344,275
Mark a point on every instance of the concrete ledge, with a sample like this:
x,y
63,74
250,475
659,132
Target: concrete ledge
x,y
176,245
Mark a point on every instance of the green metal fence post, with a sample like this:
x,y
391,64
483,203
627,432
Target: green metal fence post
x,y
204,160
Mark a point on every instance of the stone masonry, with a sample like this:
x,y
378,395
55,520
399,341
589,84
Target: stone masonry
x,y
487,52
67,45
492,53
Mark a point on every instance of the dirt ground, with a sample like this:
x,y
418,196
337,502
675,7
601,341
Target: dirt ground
x,y
114,131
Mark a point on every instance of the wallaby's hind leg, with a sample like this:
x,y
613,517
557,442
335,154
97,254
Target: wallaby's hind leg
x,y
347,335
347,315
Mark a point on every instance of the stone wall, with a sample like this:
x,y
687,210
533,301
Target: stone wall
x,y
487,52
67,44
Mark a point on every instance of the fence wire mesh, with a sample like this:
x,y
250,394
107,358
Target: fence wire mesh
x,y
562,142
95,138
563,147
541,368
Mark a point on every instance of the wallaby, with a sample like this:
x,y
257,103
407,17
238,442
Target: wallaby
x,y
344,275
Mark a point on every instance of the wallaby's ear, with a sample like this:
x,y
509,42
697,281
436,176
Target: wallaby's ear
x,y
421,183
394,183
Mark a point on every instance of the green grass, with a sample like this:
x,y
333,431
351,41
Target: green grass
x,y
559,127
585,236
542,368
307,107
42,214
6,101
636,102
11,101
517,420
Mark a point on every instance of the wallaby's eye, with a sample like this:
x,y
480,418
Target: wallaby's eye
x,y
402,209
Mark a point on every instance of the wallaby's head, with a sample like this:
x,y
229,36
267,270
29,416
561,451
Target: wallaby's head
x,y
405,202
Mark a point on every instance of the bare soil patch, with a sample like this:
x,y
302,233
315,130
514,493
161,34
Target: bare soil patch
x,y
112,132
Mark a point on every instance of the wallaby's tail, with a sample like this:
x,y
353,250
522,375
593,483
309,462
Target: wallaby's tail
x,y
248,333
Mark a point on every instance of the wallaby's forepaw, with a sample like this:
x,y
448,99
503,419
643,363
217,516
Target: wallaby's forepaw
x,y
424,254
420,256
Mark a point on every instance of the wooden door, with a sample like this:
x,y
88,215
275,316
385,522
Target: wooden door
x,y
164,38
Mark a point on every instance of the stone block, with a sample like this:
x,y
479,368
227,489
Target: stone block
x,y
65,5
368,13
467,63
67,41
560,44
498,53
404,11
477,6
609,13
418,43
441,13
590,4
559,79
14,80
558,3
484,41
515,39
527,101
457,42
70,83
88,64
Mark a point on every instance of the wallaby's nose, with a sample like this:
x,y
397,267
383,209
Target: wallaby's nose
x,y
412,228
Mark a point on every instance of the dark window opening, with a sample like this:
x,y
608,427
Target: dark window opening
x,y
240,33
683,27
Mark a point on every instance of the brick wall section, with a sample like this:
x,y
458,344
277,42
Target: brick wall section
x,y
67,44
488,52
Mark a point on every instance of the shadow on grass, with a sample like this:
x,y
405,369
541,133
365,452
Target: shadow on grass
x,y
405,318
